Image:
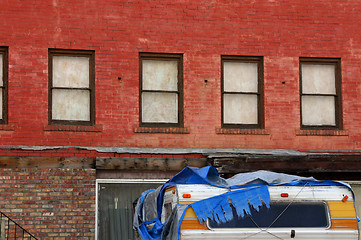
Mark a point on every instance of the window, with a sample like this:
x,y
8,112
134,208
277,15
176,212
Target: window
x,y
320,93
3,84
161,85
280,215
71,87
242,92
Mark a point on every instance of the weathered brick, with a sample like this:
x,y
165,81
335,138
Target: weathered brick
x,y
44,216
201,30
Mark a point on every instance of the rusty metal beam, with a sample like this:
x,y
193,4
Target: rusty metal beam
x,y
145,164
110,163
312,163
305,164
46,162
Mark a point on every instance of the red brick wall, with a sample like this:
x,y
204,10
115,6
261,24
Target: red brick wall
x,y
281,31
50,203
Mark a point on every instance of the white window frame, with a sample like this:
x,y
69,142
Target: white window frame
x,y
260,92
178,92
337,96
73,53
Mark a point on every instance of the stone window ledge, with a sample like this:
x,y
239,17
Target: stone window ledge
x,y
73,128
238,131
173,130
325,132
7,127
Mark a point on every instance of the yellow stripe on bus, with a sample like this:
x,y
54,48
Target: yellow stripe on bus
x,y
186,202
192,224
343,224
339,209
190,213
170,189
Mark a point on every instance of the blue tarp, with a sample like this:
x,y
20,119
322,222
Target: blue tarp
x,y
192,175
219,209
253,192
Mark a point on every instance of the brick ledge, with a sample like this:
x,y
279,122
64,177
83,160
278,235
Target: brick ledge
x,y
173,130
255,131
73,128
329,132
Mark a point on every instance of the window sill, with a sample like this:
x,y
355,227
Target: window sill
x,y
73,128
173,130
313,132
238,131
7,127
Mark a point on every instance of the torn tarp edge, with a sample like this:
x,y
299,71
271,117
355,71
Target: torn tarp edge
x,y
218,208
143,228
192,175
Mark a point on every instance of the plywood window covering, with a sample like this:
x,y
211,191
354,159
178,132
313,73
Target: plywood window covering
x,y
161,79
242,92
320,93
71,87
3,84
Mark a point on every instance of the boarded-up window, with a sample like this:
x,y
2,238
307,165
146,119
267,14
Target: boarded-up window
x,y
71,82
320,93
3,84
161,89
242,92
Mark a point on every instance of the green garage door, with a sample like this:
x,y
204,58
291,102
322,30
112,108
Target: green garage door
x,y
115,209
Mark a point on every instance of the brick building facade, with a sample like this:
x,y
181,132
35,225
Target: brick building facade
x,y
139,89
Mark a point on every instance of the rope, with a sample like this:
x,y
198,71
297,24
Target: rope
x,y
284,210
287,206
